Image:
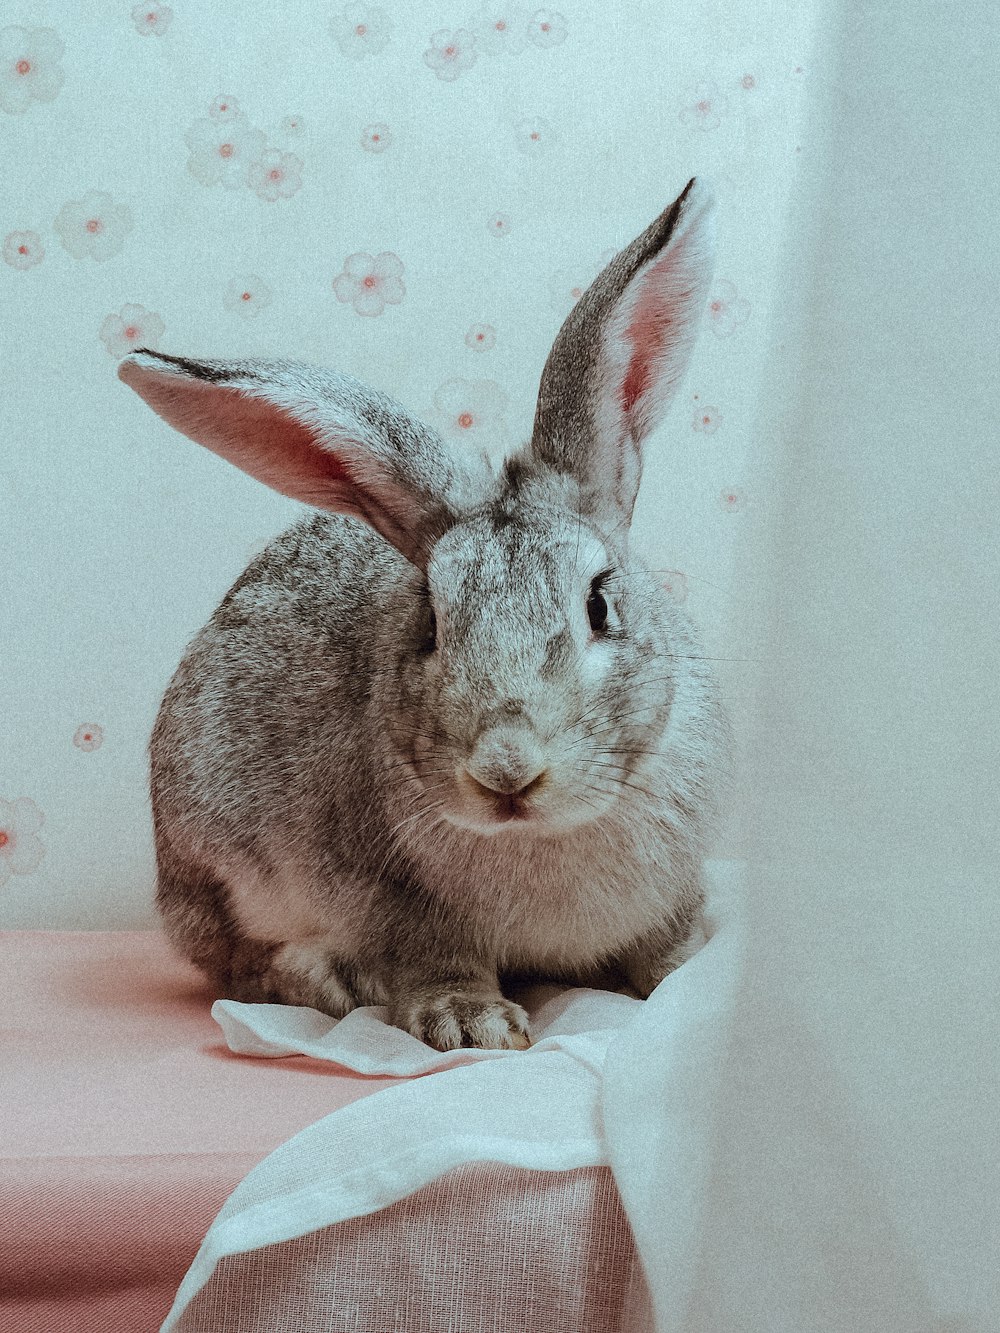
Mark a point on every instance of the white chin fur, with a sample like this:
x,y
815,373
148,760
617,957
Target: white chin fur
x,y
488,827
538,823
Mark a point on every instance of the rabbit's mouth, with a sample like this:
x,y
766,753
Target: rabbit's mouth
x,y
494,808
508,807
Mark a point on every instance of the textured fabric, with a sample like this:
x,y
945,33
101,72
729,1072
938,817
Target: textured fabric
x,y
850,1174
125,1123
576,1020
483,1249
537,1111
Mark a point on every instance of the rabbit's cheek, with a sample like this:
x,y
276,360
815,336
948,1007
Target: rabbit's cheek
x,y
597,665
412,683
427,748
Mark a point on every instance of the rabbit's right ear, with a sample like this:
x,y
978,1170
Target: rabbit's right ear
x,y
319,437
621,354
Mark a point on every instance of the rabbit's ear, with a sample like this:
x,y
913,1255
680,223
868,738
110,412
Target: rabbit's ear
x,y
621,354
317,436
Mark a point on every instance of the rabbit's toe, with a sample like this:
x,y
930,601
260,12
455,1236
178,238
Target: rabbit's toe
x,y
456,1019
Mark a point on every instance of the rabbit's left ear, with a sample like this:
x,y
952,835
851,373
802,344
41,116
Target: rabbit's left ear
x,y
320,437
621,354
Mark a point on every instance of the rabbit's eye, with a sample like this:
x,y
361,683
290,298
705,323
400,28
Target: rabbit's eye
x,y
597,607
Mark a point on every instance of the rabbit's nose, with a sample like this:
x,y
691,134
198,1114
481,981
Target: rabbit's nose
x,y
507,785
504,766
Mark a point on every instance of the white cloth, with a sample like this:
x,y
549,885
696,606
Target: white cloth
x,y
540,1109
851,1180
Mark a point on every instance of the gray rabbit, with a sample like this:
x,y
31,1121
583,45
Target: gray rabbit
x,y
447,731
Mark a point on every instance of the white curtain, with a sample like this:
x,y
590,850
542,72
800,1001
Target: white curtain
x,y
843,1111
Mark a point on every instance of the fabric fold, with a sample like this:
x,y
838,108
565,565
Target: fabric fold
x,y
540,1109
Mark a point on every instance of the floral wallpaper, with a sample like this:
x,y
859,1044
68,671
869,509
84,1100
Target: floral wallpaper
x,y
416,194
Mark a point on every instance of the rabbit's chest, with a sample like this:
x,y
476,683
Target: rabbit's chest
x,y
557,906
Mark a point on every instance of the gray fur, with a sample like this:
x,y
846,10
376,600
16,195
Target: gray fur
x,y
329,783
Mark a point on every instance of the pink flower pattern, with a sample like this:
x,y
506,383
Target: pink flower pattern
x,y
30,69
275,175
225,108
370,282
705,109
547,28
706,420
133,326
88,737
222,150
361,30
152,19
450,53
23,249
534,137
247,296
500,30
21,850
727,309
481,338
469,411
93,227
732,499
376,138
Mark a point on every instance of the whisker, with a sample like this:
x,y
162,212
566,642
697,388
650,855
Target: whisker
x,y
631,785
611,719
395,849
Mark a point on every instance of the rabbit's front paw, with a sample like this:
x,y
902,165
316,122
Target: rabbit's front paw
x,y
453,1019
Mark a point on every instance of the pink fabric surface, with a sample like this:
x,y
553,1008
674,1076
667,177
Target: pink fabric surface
x,y
125,1123
485,1248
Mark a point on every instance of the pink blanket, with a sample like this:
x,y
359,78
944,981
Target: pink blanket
x,y
125,1123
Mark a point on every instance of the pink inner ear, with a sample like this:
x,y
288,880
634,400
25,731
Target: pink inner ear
x,y
261,439
648,331
267,442
322,466
662,306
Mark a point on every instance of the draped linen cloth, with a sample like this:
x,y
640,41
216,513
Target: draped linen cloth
x,y
851,1177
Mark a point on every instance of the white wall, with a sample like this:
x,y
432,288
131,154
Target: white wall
x,y
118,536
